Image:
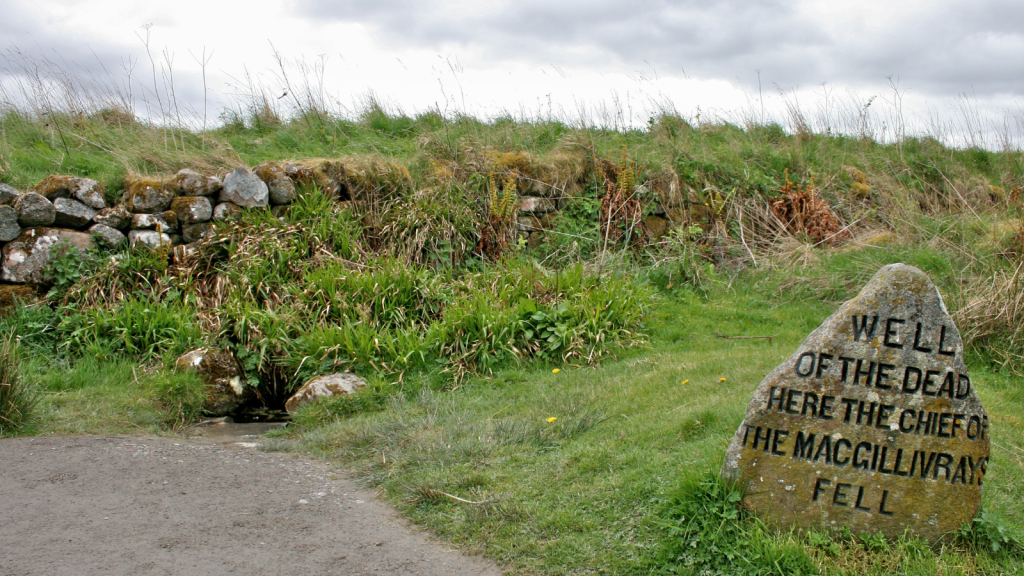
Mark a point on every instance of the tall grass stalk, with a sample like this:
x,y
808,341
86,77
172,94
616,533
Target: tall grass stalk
x,y
17,398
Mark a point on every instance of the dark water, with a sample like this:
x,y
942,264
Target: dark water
x,y
250,415
225,428
247,424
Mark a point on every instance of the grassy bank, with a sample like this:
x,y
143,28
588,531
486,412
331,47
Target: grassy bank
x,y
561,405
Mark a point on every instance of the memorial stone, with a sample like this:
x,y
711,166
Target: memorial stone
x,y
872,424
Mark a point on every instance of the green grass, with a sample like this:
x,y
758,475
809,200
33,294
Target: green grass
x,y
110,396
920,174
593,491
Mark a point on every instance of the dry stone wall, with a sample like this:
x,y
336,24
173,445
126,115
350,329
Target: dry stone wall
x,y
157,212
73,212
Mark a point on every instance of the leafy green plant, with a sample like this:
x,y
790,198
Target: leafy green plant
x,y
325,410
388,295
327,222
497,232
67,265
684,261
551,330
989,531
875,542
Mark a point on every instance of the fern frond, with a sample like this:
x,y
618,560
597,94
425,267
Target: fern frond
x,y
492,208
509,197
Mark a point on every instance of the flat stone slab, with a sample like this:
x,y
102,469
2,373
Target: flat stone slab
x,y
873,423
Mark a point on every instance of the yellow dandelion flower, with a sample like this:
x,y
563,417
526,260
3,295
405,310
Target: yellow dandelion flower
x,y
555,371
721,379
685,382
552,420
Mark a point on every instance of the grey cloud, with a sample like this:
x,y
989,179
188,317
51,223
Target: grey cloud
x,y
948,47
28,34
96,72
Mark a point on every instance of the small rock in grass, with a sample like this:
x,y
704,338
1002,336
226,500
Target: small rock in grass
x,y
13,295
536,205
656,225
282,189
226,387
56,186
324,387
163,222
148,197
70,213
85,190
34,210
189,183
26,258
106,236
213,186
193,232
528,224
89,192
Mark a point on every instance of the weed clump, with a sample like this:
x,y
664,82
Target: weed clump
x,y
989,532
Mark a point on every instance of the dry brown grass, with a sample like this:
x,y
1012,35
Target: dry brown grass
x,y
802,211
791,253
376,179
992,316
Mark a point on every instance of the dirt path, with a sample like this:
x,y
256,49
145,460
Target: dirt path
x,y
89,505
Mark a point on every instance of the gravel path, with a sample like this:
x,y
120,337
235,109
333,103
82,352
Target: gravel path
x,y
88,505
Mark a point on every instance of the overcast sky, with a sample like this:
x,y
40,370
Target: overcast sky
x,y
609,60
